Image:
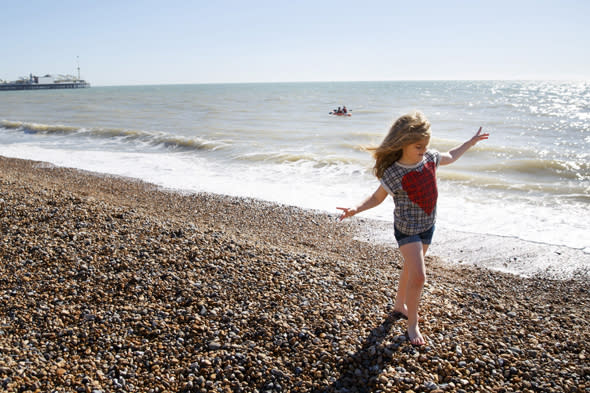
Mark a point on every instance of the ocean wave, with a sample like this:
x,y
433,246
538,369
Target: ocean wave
x,y
300,158
156,139
34,128
544,169
500,182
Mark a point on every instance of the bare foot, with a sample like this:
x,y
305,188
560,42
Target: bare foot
x,y
415,336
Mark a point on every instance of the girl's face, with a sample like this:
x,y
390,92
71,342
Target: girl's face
x,y
414,152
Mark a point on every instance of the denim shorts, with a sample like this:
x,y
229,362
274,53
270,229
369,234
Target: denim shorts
x,y
424,237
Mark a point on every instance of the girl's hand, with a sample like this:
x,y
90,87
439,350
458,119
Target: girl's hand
x,y
454,154
479,136
346,212
378,196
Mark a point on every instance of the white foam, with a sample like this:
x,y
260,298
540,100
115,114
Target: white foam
x,y
470,228
501,253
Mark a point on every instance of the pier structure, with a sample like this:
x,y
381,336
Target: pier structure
x,y
34,82
41,86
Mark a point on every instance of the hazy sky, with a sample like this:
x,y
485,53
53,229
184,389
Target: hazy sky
x,y
122,42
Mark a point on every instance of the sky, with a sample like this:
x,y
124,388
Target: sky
x,y
129,42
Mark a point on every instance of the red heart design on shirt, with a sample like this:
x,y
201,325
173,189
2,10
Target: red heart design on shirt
x,y
421,187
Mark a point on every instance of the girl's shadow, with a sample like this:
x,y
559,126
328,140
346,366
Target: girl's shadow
x,y
360,370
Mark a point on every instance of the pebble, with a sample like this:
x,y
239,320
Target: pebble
x,y
110,284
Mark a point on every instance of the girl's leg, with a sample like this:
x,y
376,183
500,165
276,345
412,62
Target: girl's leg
x,y
410,288
400,298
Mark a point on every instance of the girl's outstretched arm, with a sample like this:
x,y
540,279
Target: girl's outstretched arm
x,y
454,154
378,196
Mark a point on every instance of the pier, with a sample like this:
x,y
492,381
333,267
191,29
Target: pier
x,y
43,86
45,82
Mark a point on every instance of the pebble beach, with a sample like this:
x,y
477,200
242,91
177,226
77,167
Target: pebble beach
x,y
109,284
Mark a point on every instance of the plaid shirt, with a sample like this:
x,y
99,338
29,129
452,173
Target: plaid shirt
x,y
414,193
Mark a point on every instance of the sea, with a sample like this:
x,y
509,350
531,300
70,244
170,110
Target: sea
x,y
518,202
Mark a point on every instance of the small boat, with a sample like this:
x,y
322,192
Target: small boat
x,y
341,111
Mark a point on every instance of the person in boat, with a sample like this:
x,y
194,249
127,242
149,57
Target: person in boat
x,y
344,110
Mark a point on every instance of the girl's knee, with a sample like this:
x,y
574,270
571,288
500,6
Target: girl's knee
x,y
417,279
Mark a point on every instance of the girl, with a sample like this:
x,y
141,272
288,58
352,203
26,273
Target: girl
x,y
407,171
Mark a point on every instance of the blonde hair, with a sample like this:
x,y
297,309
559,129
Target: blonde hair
x,y
409,128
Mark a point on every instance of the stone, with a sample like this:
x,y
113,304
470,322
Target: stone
x,y
109,284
